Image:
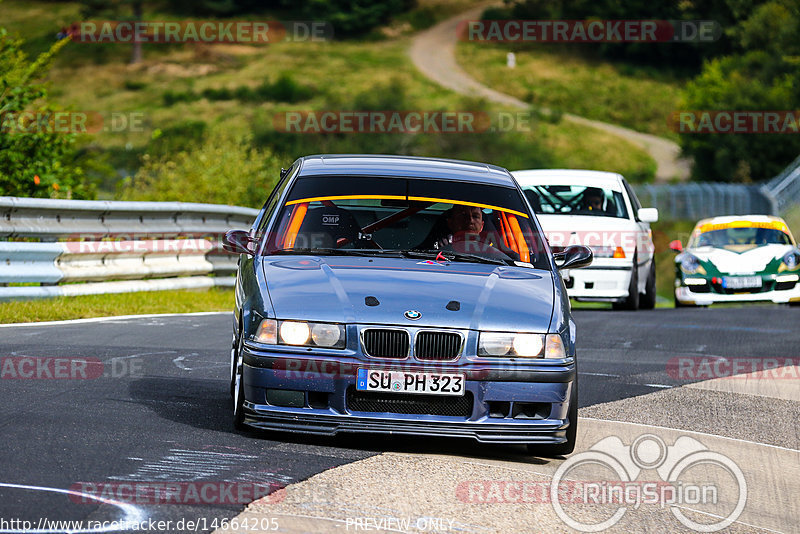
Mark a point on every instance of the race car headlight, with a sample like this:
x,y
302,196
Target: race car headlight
x,y
520,345
791,259
300,333
690,264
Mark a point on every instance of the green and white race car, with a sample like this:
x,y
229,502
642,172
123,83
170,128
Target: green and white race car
x,y
737,259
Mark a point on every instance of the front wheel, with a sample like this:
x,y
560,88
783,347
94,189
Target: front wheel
x,y
648,300
237,387
632,301
562,449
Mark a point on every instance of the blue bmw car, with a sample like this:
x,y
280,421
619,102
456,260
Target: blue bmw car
x,y
402,295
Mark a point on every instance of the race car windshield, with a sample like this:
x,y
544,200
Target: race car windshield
x,y
462,221
737,238
576,200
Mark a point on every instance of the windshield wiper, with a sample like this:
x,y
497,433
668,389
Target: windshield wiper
x,y
455,256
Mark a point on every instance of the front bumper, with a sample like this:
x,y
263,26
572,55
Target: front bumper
x,y
603,281
502,397
685,295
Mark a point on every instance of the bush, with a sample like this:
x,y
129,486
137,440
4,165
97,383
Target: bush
x,y
34,162
133,85
174,97
217,94
181,136
355,17
221,170
285,89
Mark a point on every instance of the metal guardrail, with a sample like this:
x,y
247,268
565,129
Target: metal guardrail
x,y
700,200
785,188
113,246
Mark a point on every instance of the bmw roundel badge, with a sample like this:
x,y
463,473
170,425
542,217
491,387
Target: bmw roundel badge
x,y
413,315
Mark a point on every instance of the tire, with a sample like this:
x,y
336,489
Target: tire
x,y
678,304
632,301
648,300
562,449
235,349
237,386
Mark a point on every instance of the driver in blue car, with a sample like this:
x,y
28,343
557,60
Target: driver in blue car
x,y
461,228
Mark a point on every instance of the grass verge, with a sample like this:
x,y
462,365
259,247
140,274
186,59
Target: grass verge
x,y
594,88
63,308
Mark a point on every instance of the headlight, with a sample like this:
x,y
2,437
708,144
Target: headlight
x,y
510,345
294,333
690,264
299,333
791,259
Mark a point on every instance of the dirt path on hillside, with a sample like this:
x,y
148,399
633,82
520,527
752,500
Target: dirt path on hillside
x,y
433,53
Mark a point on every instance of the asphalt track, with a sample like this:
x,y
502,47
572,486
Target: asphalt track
x,y
161,413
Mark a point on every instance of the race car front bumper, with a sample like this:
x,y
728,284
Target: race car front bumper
x,y
685,295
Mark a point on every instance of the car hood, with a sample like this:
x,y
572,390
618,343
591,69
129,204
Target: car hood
x,y
747,262
334,289
591,231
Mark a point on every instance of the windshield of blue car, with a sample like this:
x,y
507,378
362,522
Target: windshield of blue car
x,y
576,200
456,221
741,237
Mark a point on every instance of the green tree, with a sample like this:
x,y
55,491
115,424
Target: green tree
x,y
35,161
764,76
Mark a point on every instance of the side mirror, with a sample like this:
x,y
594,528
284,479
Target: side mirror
x,y
676,245
573,257
238,242
648,215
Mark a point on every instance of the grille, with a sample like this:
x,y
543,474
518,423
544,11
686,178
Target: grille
x,y
404,403
437,345
383,343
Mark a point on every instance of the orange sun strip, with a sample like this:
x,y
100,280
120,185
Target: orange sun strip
x,y
524,253
294,225
504,231
512,242
399,197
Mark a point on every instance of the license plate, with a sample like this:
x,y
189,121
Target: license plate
x,y
410,382
741,282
